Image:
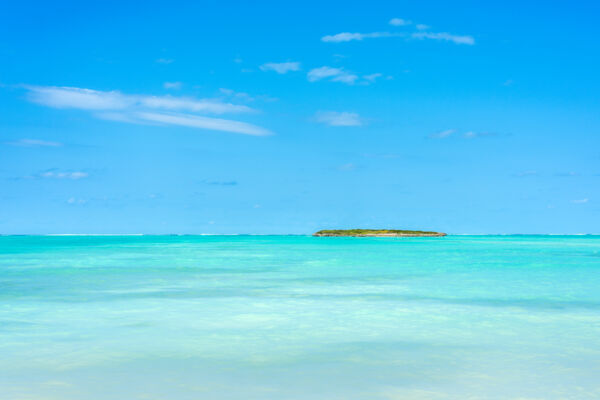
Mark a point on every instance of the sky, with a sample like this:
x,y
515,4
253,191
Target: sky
x,y
285,118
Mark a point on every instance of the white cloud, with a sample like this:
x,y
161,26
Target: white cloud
x,y
88,99
347,36
467,135
143,109
331,73
444,36
172,85
196,121
580,201
191,104
473,135
34,143
347,167
345,78
52,174
372,77
323,72
84,99
399,22
164,61
120,117
569,174
333,118
350,36
281,68
73,200
343,37
236,95
442,134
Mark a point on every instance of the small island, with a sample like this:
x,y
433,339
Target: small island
x,y
377,233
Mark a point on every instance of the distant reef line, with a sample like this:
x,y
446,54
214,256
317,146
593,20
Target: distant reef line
x,y
377,233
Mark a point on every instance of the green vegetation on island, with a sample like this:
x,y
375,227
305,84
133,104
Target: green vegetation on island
x,y
377,233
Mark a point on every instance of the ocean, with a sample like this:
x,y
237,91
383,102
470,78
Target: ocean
x,y
298,317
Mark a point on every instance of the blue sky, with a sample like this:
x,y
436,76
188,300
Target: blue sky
x,y
230,117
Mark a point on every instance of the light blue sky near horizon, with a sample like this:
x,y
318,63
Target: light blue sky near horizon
x,y
461,117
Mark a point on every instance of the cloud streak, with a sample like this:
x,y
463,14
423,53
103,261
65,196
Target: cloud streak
x,y
196,121
467,135
441,36
399,22
34,143
372,77
144,109
580,201
458,39
333,118
475,135
421,34
442,134
55,174
348,36
96,100
220,183
172,85
331,74
281,68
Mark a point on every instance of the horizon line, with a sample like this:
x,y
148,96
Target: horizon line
x,y
277,234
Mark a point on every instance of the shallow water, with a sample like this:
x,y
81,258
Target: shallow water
x,y
295,317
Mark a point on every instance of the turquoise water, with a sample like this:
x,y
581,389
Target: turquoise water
x,y
294,317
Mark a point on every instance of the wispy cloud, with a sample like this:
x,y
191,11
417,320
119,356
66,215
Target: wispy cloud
x,y
196,121
220,183
580,201
333,118
347,167
88,99
242,96
420,34
569,174
172,85
33,143
57,174
236,95
164,61
372,77
442,134
163,110
348,36
474,135
281,68
85,99
399,22
73,200
332,74
467,135
458,39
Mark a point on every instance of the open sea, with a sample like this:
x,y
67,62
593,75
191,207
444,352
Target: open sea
x,y
297,317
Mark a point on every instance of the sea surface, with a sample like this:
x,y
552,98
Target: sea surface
x,y
297,317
